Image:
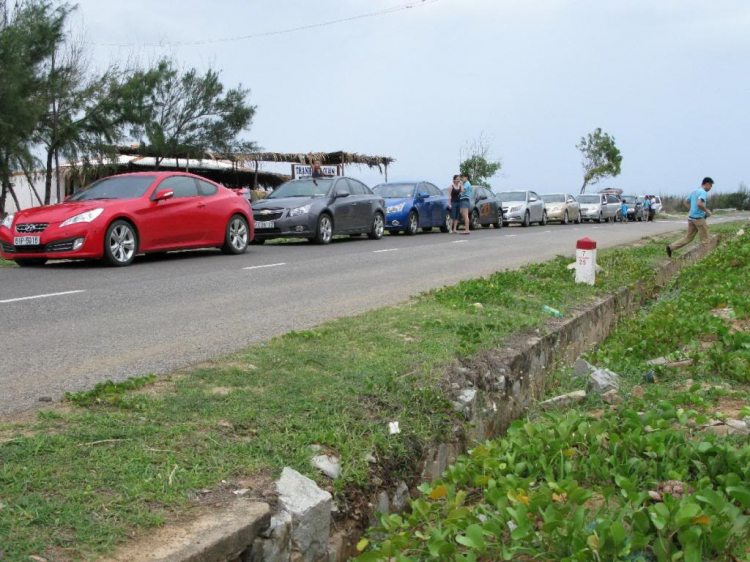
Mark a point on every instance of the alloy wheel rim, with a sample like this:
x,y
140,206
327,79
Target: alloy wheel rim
x,y
565,219
379,225
413,225
122,243
238,234
325,229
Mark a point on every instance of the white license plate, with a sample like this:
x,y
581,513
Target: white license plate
x,y
264,224
26,240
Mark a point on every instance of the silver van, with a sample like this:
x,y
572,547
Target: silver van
x,y
599,207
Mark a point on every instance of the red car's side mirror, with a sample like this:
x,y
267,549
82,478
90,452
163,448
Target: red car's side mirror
x,y
164,194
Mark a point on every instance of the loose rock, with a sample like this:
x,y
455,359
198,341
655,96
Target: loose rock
x,y
638,392
582,368
45,399
612,397
603,380
328,465
400,497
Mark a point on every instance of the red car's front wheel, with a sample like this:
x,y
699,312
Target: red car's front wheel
x,y
120,244
237,236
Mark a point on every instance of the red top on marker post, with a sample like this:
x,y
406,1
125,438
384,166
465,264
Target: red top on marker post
x,y
586,244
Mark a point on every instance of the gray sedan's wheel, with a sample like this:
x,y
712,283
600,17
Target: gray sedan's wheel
x,y
526,219
566,219
324,232
120,244
599,220
446,226
579,220
412,224
474,223
543,222
378,227
236,237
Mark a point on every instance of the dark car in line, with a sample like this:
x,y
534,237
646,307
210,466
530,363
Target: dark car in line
x,y
636,208
485,208
413,205
318,209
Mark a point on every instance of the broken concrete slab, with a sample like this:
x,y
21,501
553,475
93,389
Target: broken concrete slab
x,y
216,537
582,368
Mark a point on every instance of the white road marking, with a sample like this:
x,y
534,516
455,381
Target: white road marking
x,y
576,229
42,296
459,241
546,231
264,266
511,235
389,250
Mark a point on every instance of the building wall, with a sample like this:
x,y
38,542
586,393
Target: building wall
x,y
26,196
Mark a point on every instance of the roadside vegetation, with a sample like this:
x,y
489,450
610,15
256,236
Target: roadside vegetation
x,y
82,477
6,263
650,478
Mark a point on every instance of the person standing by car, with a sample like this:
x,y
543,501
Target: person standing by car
x,y
455,203
465,202
647,207
651,208
696,202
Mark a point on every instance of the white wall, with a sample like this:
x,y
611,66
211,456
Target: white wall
x,y
25,195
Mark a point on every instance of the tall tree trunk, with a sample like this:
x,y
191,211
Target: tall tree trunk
x,y
3,195
583,187
48,176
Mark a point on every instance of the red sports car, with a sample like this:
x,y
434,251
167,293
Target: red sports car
x,y
121,216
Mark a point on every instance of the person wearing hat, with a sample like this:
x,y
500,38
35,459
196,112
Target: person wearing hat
x,y
696,202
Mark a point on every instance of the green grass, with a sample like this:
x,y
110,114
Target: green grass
x,y
6,263
125,457
571,485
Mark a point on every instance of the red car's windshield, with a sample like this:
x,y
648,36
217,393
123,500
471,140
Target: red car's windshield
x,y
118,187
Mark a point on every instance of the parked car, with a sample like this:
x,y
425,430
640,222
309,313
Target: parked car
x,y
636,208
318,209
410,206
562,207
524,207
485,208
599,207
118,217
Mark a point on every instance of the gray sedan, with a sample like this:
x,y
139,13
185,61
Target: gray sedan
x,y
522,207
562,207
318,209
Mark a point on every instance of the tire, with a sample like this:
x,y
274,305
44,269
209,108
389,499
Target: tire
x,y
499,222
474,223
526,219
324,230
378,227
599,220
446,226
236,237
120,244
412,224
31,262
579,220
543,222
566,219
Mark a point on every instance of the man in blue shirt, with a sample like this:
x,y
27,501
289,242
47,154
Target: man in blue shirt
x,y
696,202
465,202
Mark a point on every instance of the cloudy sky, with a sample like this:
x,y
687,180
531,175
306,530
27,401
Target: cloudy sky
x,y
670,79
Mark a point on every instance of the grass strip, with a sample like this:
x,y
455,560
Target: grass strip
x,y
575,485
6,263
128,456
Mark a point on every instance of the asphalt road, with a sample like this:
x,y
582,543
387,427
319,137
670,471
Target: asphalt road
x,y
162,314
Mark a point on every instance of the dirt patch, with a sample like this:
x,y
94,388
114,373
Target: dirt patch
x,y
729,406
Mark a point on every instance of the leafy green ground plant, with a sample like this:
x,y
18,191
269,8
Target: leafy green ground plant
x,y
128,456
578,485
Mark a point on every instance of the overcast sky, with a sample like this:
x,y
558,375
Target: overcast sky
x,y
670,79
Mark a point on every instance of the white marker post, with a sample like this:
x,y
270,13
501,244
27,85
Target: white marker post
x,y
585,265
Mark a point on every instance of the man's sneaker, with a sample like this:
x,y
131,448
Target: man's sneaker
x,y
669,251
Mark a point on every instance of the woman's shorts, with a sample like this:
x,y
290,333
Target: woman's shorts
x,y
455,211
465,204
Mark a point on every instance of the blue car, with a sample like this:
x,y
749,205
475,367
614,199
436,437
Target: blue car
x,y
414,205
